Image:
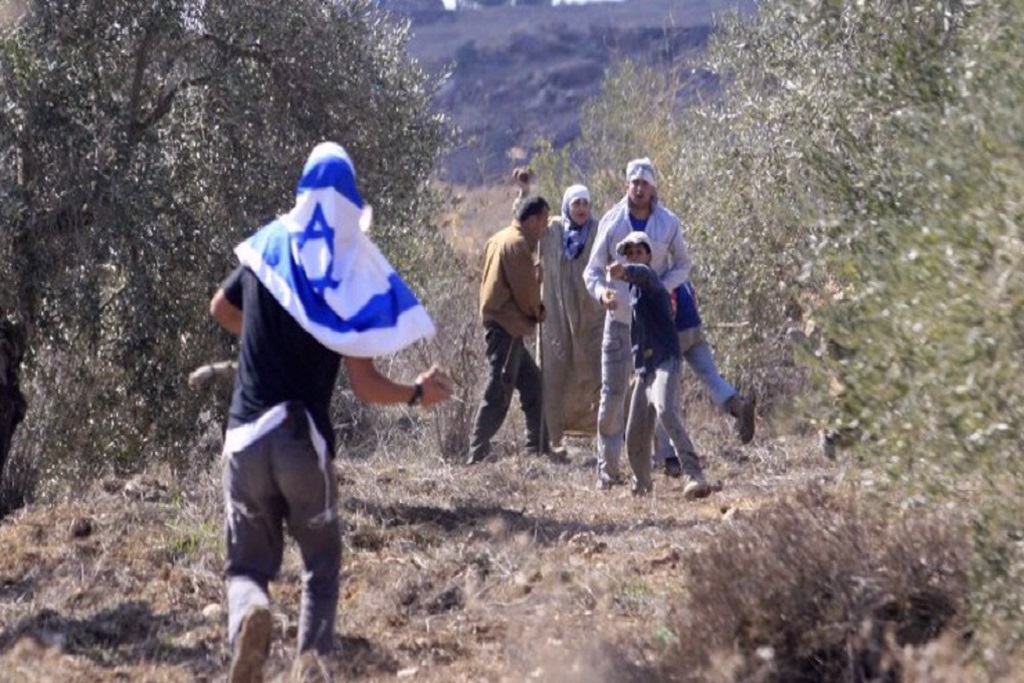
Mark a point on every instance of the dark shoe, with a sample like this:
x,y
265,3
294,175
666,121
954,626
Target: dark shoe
x,y
672,467
252,646
476,456
559,456
743,410
534,449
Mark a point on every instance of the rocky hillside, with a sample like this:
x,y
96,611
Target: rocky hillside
x,y
523,72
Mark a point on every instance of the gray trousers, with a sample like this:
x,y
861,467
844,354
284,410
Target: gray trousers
x,y
511,368
280,479
655,403
616,368
697,354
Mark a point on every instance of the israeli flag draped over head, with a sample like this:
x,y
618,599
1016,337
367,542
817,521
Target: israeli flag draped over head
x,y
320,265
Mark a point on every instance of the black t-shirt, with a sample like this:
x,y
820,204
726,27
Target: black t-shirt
x,y
278,361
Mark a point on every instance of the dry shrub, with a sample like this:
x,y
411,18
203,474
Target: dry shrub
x,y
18,483
458,347
819,588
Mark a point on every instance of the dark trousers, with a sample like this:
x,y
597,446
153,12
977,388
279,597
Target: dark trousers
x,y
511,368
279,479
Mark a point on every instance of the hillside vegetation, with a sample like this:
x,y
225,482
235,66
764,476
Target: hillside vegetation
x,y
852,193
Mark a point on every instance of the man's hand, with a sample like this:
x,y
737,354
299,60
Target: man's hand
x,y
608,299
522,175
437,386
200,376
616,271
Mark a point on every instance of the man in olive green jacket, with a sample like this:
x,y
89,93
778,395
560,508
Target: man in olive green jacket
x,y
510,308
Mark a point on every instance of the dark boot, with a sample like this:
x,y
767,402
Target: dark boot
x,y
743,411
673,468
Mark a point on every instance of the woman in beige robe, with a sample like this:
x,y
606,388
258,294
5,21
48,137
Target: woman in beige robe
x,y
572,329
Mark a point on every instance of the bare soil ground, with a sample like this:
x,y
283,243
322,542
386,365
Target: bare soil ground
x,y
513,570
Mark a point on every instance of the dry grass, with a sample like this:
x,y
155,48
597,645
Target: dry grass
x,y
819,587
509,570
513,570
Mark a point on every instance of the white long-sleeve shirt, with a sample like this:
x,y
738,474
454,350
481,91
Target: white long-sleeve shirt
x,y
669,256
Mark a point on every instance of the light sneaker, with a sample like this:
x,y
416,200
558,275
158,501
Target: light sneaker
x,y
696,488
642,490
252,646
604,484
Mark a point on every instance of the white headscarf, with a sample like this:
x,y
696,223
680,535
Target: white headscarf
x,y
572,193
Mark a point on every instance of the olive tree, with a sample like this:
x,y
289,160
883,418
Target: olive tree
x,y
140,142
855,181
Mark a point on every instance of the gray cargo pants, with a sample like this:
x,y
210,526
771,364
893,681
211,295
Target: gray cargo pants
x,y
655,402
276,479
616,368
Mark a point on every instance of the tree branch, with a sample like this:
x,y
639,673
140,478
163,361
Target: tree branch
x,y
141,63
163,105
254,51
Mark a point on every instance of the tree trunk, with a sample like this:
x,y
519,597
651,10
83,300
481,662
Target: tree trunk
x,y
12,402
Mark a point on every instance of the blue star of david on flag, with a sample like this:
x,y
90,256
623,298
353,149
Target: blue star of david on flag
x,y
327,273
319,237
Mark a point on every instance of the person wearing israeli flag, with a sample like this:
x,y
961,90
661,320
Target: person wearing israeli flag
x,y
310,290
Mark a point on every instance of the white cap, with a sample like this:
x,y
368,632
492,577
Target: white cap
x,y
640,169
635,237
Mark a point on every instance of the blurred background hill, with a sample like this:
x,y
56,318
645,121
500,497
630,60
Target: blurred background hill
x,y
522,71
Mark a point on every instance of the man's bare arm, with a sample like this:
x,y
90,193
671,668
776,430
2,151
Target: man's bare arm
x,y
370,386
226,313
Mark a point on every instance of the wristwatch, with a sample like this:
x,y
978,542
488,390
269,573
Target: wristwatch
x,y
417,394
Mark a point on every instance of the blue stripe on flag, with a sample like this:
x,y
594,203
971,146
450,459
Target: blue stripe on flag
x,y
331,172
380,311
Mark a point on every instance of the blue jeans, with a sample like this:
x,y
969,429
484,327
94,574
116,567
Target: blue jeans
x,y
616,368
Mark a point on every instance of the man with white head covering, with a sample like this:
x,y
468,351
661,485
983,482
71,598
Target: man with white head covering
x,y
637,211
311,290
571,334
